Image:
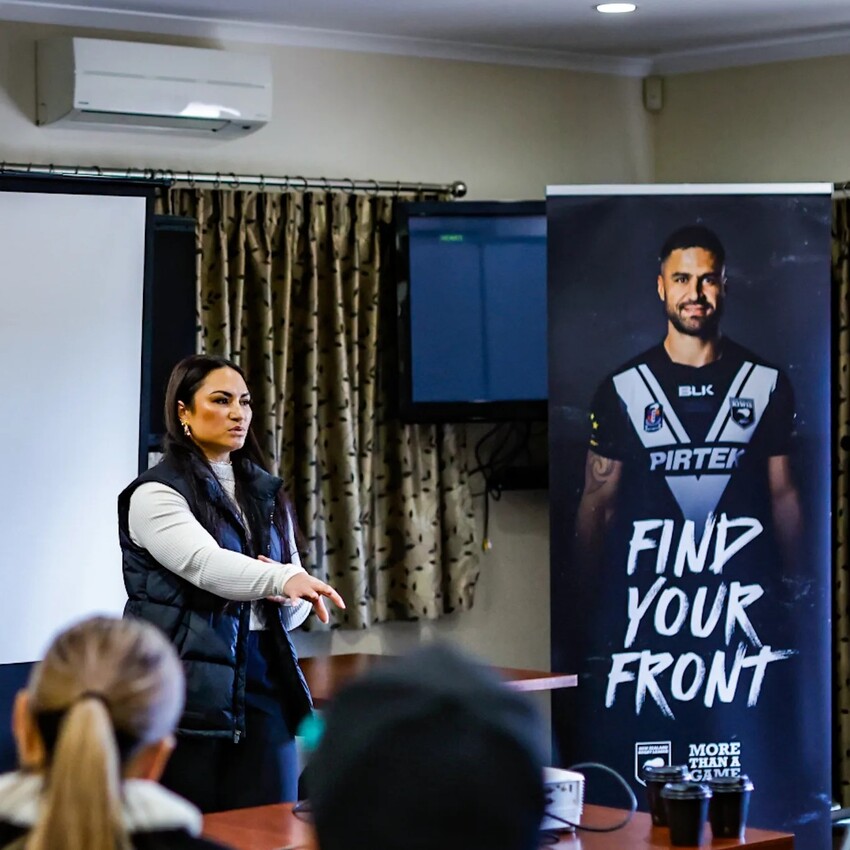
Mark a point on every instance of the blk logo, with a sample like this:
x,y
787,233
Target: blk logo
x,y
691,391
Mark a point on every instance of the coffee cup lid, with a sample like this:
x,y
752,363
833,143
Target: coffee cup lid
x,y
665,772
685,791
729,784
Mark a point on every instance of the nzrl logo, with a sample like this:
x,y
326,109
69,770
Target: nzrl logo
x,y
651,754
690,391
743,411
653,417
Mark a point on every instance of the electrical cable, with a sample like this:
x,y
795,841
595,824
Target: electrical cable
x,y
549,834
511,441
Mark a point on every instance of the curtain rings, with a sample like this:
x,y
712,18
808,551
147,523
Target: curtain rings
x,y
375,190
304,181
326,184
262,183
397,190
217,181
234,180
351,187
190,179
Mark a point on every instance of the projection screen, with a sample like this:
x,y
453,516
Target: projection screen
x,y
72,272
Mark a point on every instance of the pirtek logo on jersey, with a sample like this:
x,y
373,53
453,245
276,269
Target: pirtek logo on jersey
x,y
691,391
696,473
696,459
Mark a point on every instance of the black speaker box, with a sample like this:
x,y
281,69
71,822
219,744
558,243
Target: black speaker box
x,y
173,309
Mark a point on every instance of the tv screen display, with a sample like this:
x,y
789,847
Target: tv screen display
x,y
472,311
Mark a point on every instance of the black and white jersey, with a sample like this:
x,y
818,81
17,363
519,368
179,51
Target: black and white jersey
x,y
694,439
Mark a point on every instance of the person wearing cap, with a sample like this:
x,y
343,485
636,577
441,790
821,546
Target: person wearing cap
x,y
428,752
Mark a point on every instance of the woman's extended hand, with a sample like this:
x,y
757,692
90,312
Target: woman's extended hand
x,y
305,586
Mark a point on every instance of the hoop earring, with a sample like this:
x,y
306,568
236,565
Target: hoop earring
x,y
186,429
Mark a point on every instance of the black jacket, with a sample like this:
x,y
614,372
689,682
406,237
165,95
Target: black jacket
x,y
209,632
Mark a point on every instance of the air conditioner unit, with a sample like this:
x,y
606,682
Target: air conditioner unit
x,y
88,82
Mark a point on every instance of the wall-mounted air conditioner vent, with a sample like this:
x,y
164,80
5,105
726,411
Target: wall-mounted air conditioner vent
x,y
90,82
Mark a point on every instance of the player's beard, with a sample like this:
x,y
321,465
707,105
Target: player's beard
x,y
703,327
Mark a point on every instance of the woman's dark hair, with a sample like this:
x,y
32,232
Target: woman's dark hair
x,y
185,381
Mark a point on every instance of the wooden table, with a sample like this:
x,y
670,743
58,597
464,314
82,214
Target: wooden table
x,y
276,827
326,674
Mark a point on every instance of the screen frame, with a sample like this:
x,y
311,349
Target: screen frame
x,y
14,675
15,181
527,410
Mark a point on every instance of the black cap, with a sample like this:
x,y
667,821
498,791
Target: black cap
x,y
428,752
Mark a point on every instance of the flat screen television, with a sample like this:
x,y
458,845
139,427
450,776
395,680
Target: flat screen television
x,y
472,311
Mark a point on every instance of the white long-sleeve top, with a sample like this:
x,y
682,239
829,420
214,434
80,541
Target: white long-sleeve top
x,y
161,522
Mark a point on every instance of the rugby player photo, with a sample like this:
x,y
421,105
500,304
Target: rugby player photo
x,y
696,425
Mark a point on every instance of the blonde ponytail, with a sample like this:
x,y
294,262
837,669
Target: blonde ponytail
x,y
105,689
82,801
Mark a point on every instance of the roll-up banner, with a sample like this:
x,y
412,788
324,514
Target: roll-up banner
x,y
689,339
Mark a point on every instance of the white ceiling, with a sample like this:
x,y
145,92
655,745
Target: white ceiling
x,y
663,36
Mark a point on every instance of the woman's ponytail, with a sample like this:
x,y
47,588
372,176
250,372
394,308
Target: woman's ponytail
x,y
82,795
105,689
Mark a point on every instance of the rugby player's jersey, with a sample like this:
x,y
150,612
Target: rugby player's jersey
x,y
694,439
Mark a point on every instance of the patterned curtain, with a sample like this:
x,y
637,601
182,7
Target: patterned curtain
x,y
841,581
298,288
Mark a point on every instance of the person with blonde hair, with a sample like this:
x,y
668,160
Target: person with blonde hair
x,y
93,730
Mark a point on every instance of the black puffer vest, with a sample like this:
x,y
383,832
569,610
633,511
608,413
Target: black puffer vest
x,y
210,632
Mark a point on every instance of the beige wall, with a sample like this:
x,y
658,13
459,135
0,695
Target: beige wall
x,y
781,122
506,131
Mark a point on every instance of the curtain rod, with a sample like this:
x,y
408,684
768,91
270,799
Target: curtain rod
x,y
232,180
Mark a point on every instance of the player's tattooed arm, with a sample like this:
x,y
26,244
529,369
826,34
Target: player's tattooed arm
x,y
596,509
599,471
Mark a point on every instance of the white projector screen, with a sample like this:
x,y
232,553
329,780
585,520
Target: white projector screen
x,y
72,284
